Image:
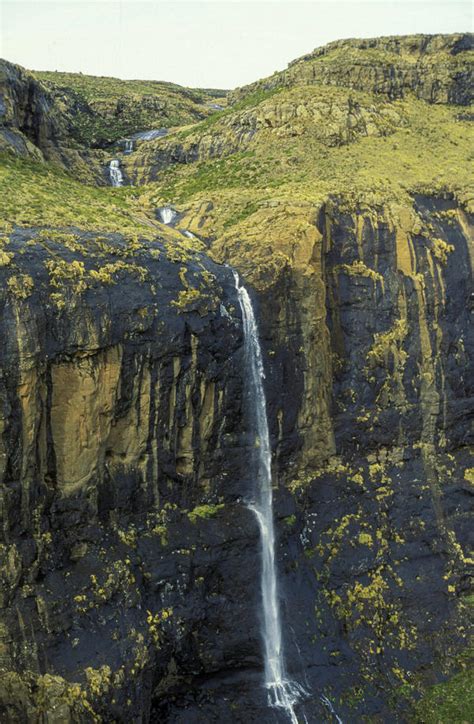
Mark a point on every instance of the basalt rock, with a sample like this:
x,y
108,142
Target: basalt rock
x,y
371,421
120,445
129,564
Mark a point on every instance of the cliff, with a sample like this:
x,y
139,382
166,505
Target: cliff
x,y
434,68
339,190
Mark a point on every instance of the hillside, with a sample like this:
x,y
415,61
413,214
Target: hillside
x,y
341,191
104,110
75,120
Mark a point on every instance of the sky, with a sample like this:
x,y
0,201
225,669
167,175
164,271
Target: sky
x,y
219,44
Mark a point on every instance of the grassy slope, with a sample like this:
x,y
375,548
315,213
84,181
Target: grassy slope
x,y
344,63
43,195
431,152
93,87
107,109
451,701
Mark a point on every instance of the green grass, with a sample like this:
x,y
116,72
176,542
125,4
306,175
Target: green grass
x,y
241,213
451,702
98,88
234,172
103,109
249,101
204,512
430,153
43,195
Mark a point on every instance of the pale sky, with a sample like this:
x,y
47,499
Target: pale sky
x,y
219,44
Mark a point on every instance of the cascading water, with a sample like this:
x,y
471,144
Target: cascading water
x,y
328,704
128,145
115,173
150,135
167,215
282,692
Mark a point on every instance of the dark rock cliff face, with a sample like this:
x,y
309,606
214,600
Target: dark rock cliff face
x,y
127,555
130,566
33,124
371,548
28,108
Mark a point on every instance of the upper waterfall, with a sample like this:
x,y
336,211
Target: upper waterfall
x,y
150,135
283,693
115,173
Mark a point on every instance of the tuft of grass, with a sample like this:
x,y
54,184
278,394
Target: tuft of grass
x,y
204,512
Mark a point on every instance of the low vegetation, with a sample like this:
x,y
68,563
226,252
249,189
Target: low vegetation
x,y
44,195
103,109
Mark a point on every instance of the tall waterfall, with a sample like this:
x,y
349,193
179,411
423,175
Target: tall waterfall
x,y
282,692
115,173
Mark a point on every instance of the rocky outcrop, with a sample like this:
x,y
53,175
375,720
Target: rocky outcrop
x,y
370,415
120,446
434,68
28,108
333,118
33,125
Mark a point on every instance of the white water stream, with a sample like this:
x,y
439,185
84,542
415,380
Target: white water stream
x,y
150,135
115,173
282,692
167,214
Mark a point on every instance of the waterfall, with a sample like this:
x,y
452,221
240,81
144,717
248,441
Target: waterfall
x,y
128,145
115,173
328,704
167,215
150,135
282,692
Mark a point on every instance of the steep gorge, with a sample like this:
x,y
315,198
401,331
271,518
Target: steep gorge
x,y
130,560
